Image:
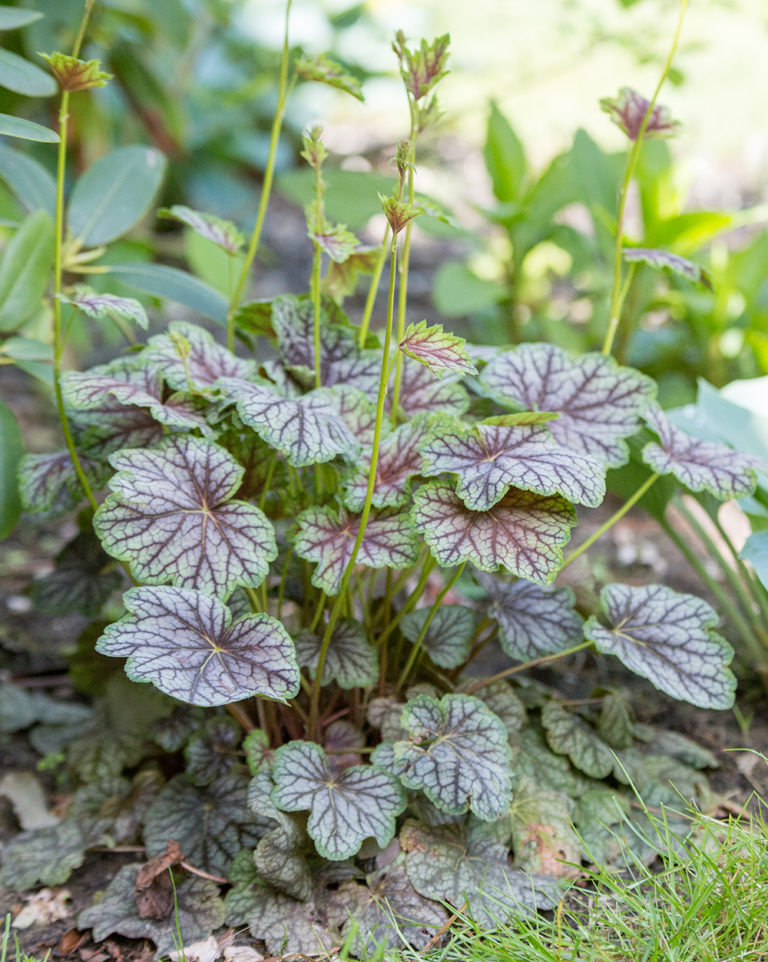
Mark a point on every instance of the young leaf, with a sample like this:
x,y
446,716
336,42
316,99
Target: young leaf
x,y
323,69
190,359
258,754
599,403
673,262
490,458
534,619
667,637
72,74
360,803
11,126
567,734
171,518
335,241
699,465
523,533
100,306
306,430
420,392
470,865
82,580
439,351
351,662
327,536
457,754
223,233
628,111
341,278
448,640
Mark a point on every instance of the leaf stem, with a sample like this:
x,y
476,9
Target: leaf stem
x,y
374,288
266,187
413,599
403,292
515,669
617,516
617,294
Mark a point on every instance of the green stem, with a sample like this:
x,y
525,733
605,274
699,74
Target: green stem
x,y
373,290
317,259
266,189
617,516
268,480
416,649
403,293
753,589
515,669
413,599
283,580
616,292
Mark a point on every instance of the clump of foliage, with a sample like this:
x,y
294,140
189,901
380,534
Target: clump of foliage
x,y
324,530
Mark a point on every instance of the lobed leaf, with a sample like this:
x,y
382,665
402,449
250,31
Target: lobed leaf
x,y
542,832
221,232
49,482
323,69
279,856
523,533
100,306
673,262
504,703
421,393
335,241
186,644
190,359
667,637
448,640
82,580
598,402
438,350
350,661
212,751
47,856
567,734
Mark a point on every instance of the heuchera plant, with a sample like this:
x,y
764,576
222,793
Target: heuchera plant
x,y
324,530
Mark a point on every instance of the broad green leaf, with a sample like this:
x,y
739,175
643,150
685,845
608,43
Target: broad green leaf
x,y
12,17
73,74
327,536
211,823
420,392
542,832
29,181
27,349
258,754
457,754
279,856
448,639
438,350
597,816
190,359
23,77
489,458
114,194
523,533
599,403
223,233
469,865
306,430
195,911
534,620
504,156
699,465
175,285
351,661
22,129
100,306
542,767
11,453
323,69
755,551
362,802
171,518
567,734
25,270
186,644
82,580
616,724
673,262
212,751
46,856
667,637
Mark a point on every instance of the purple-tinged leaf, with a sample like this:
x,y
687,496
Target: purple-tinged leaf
x,y
82,580
448,639
73,74
489,458
258,754
457,754
170,518
185,643
362,802
628,111
342,742
567,734
503,702
307,430
100,306
327,536
420,392
212,751
523,533
667,637
279,856
341,279
191,360
673,262
322,69
114,427
699,465
357,412
222,233
534,619
335,241
49,482
439,351
399,461
351,661
599,403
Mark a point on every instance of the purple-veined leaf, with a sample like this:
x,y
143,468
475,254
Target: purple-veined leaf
x,y
191,360
335,241
667,637
326,536
448,639
362,802
342,278
567,734
307,430
421,392
523,533
503,702
673,262
82,580
212,751
599,403
470,864
457,754
170,518
342,362
99,306
699,465
223,233
114,427
628,111
534,620
521,417
399,461
358,412
351,661
49,482
186,644
488,459
279,856
439,351
322,69
342,741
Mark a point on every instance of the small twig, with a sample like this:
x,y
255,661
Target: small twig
x,y
442,930
198,871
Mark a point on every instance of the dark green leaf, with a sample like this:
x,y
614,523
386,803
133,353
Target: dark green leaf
x,y
570,735
504,156
28,180
212,751
25,270
448,639
350,661
82,580
11,453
